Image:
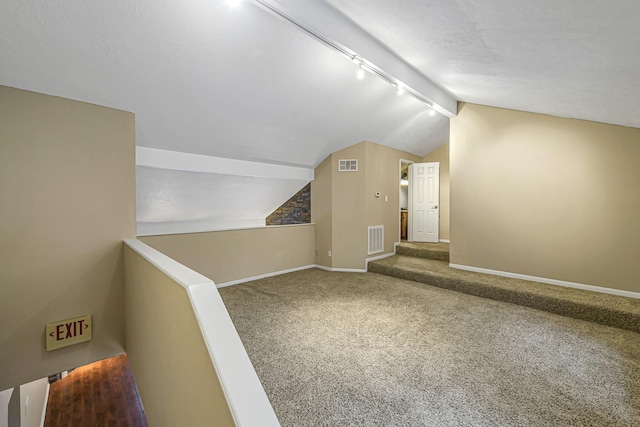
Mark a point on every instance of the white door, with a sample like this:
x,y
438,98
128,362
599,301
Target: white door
x,y
424,198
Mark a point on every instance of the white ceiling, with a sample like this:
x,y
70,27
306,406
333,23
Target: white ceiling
x,y
570,58
204,78
171,201
241,83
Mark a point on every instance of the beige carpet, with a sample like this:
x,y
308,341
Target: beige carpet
x,y
610,310
340,349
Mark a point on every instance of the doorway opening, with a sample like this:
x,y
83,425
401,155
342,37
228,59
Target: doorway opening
x,y
424,198
403,208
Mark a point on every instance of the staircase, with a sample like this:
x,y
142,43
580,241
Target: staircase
x,y
428,263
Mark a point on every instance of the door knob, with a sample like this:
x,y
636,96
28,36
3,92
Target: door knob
x,y
435,207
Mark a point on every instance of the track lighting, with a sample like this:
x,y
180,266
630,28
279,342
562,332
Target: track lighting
x,y
358,61
363,64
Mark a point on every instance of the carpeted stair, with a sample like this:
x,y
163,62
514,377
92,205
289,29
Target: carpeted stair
x,y
435,251
429,264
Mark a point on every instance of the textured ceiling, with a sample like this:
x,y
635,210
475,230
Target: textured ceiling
x,y
241,83
207,79
573,58
168,198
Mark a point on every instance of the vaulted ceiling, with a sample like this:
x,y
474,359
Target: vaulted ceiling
x,y
573,58
241,83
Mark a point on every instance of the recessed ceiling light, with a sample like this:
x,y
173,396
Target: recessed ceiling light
x,y
233,3
432,112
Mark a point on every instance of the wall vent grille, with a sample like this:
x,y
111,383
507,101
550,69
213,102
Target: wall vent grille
x,y
376,239
347,165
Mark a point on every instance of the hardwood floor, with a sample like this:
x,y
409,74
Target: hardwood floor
x,y
100,394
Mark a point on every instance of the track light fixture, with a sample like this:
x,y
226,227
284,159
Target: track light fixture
x,y
361,62
397,84
358,61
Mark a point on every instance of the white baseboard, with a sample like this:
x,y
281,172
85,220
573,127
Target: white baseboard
x,y
444,241
582,286
366,263
263,276
375,258
341,270
306,267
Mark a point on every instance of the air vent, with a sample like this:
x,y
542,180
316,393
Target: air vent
x,y
349,165
376,239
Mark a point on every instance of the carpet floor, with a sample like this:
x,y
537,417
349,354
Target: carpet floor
x,y
349,349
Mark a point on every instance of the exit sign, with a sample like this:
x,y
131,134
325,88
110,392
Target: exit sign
x,y
68,332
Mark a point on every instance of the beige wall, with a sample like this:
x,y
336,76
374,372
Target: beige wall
x,y
353,205
442,155
383,176
67,185
175,376
545,196
321,210
348,209
225,256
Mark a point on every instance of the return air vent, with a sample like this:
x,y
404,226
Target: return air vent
x,y
376,239
347,165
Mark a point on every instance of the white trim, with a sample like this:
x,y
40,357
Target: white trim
x,y
340,270
574,285
264,276
181,274
444,241
402,162
375,258
44,405
247,400
188,227
307,267
176,160
359,270
5,399
192,227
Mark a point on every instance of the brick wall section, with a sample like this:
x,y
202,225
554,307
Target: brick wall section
x,y
296,210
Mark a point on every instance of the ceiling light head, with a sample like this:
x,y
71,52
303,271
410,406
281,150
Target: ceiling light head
x,y
432,112
233,3
360,73
399,88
